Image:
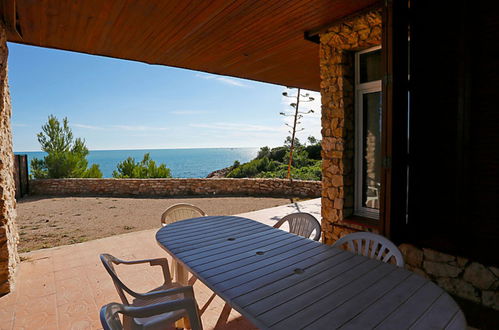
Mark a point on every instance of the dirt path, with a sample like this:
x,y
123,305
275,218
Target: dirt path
x,y
48,222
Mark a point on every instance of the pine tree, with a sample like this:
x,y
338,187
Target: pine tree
x,y
66,156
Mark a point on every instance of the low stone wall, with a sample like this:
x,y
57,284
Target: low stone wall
x,y
175,187
460,276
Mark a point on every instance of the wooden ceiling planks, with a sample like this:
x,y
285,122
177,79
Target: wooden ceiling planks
x,y
241,48
252,39
214,29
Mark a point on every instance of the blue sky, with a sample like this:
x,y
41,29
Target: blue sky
x,y
117,104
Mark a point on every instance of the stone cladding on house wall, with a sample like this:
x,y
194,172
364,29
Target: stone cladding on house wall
x,y
8,231
175,187
457,275
337,48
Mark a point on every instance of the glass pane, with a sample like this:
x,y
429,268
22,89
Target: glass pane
x,y
370,66
371,149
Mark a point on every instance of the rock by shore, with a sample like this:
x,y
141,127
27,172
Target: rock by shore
x,y
219,173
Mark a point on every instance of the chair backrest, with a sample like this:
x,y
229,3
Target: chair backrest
x,y
180,211
109,261
371,245
302,224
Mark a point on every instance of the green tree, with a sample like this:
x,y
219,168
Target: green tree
x,y
264,152
144,169
312,140
296,142
66,156
314,148
93,172
278,153
300,158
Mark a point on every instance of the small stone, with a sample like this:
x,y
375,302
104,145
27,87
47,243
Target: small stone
x,y
421,272
479,276
441,269
339,132
416,270
460,288
461,262
332,193
337,154
412,255
337,181
325,38
364,34
490,299
494,270
433,255
375,33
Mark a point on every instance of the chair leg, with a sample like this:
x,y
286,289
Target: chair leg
x,y
181,277
127,323
195,320
173,270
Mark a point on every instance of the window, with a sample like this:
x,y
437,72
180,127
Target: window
x,y
368,111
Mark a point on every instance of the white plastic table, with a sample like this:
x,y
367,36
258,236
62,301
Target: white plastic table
x,y
283,281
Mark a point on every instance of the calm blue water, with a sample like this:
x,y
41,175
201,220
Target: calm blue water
x,y
183,163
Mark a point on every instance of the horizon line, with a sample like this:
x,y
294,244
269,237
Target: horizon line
x,y
175,148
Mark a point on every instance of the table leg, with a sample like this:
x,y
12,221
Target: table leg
x,y
181,277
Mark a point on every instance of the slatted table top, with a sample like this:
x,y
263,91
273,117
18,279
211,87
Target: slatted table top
x,y
283,281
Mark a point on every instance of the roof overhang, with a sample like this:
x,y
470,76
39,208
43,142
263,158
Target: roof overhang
x,y
258,40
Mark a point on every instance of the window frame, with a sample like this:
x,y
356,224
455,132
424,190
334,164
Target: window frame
x,y
360,90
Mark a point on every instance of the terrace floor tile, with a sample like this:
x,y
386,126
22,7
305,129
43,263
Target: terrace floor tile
x,y
64,287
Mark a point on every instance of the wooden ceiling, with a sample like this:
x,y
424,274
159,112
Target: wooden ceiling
x,y
260,40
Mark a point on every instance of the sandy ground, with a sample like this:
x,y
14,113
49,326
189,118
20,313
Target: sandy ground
x,y
48,222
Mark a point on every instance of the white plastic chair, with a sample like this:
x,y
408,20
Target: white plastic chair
x,y
372,246
180,211
177,212
167,292
110,319
302,224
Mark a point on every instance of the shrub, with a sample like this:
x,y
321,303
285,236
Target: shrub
x,y
252,168
312,172
272,163
145,169
300,158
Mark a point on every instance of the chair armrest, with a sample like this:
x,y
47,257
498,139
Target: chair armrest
x,y
186,290
143,261
279,223
188,304
159,308
163,262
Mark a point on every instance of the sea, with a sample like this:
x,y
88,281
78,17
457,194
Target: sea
x,y
183,163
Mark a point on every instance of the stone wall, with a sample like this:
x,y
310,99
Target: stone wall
x,y
338,45
8,232
460,276
175,187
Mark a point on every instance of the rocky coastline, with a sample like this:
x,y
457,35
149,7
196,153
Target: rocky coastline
x,y
222,173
